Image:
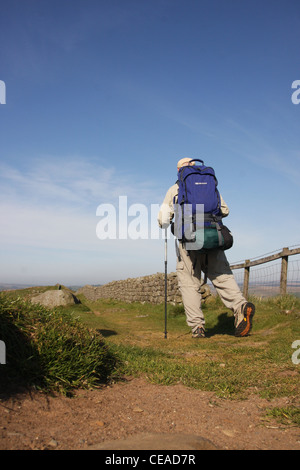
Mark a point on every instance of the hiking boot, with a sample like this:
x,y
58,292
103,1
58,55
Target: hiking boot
x,y
199,332
244,325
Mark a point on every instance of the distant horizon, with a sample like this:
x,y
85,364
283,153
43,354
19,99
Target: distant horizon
x,y
268,270
15,286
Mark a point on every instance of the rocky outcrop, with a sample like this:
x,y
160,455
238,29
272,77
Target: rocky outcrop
x,y
55,298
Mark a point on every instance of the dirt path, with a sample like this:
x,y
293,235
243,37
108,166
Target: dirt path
x,y
134,407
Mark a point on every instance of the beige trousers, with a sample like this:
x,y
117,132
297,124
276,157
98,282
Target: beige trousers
x,y
189,269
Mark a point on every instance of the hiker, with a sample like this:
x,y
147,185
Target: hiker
x,y
190,264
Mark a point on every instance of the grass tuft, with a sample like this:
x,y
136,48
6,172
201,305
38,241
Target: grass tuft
x,y
287,416
50,349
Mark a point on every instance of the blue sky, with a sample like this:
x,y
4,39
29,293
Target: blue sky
x,y
104,97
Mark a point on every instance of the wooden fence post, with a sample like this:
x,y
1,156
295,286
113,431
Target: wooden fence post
x,y
284,270
283,255
246,278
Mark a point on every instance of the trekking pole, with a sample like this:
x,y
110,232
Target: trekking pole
x,y
166,280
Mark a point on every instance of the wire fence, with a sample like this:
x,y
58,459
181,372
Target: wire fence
x,y
264,281
266,276
272,274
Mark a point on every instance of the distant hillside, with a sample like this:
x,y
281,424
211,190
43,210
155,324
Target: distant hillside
x,y
27,286
14,286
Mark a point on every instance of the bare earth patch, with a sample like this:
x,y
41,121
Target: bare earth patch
x,y
123,410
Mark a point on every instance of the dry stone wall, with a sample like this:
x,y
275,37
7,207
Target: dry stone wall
x,y
141,289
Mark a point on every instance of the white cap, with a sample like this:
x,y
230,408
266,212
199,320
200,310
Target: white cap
x,y
184,162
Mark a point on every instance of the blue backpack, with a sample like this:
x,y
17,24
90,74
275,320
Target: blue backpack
x,y
198,218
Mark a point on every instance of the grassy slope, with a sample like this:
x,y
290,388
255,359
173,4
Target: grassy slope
x,y
221,362
231,367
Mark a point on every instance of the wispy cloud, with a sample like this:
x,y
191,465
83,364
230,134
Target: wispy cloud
x,y
76,182
49,246
25,225
263,150
53,205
